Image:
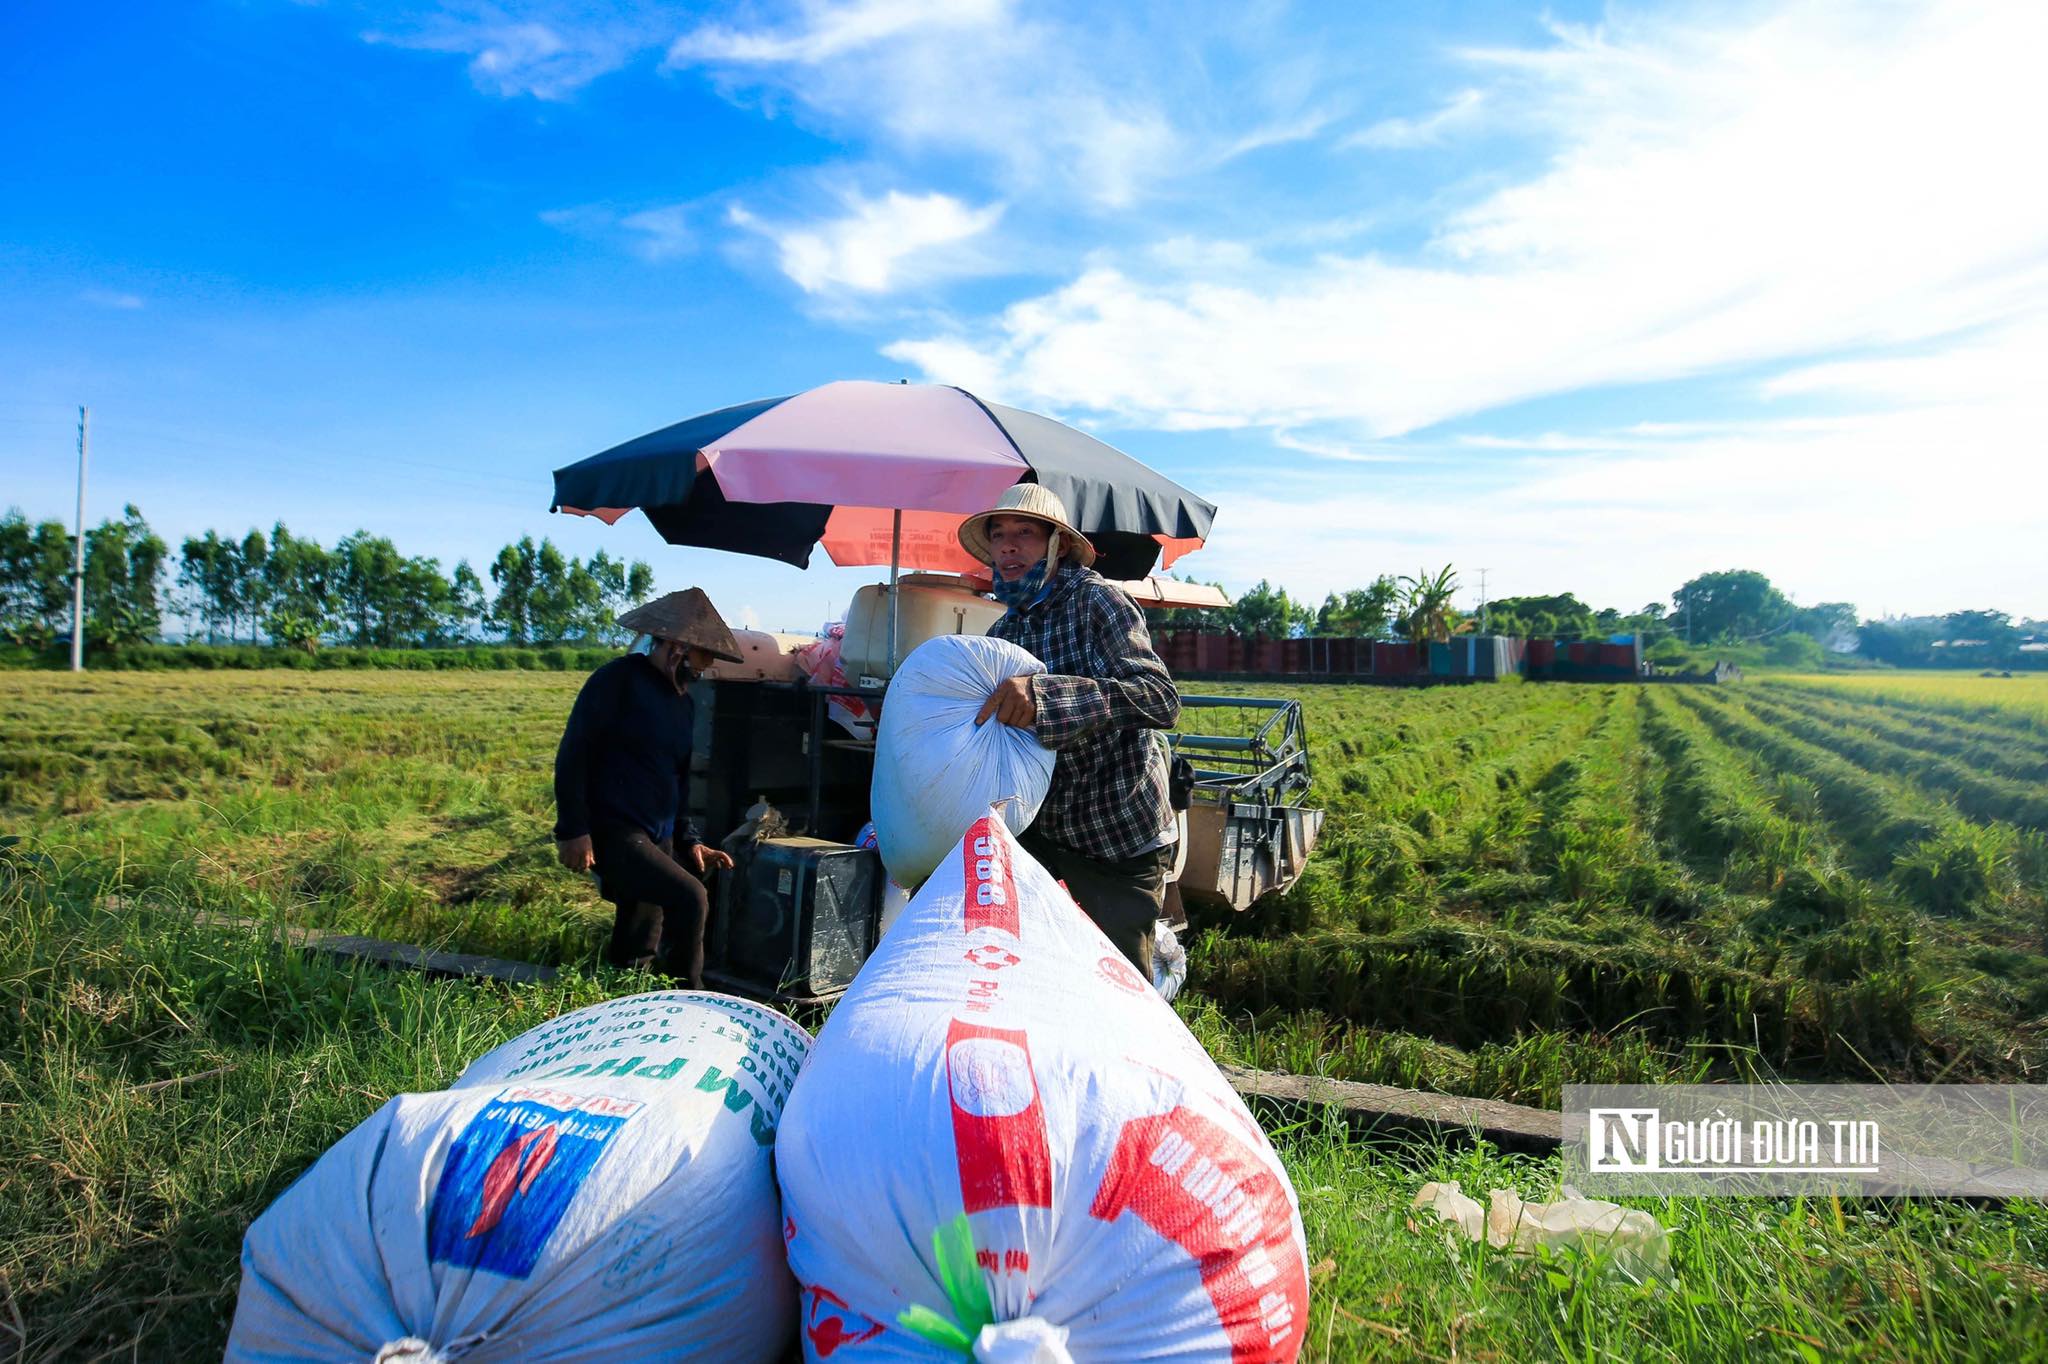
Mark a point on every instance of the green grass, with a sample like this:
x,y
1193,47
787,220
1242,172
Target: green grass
x,y
1519,886
164,1082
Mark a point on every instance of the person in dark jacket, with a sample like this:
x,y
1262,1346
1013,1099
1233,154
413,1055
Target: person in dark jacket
x,y
622,776
1107,827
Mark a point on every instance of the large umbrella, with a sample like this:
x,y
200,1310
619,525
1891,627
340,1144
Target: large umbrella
x,y
879,474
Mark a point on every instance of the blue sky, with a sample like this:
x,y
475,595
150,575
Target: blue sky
x,y
1595,297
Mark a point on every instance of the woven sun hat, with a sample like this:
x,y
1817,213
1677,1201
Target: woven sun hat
x,y
1035,501
687,617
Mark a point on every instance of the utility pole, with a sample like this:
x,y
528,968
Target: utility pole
x,y
78,559
1484,617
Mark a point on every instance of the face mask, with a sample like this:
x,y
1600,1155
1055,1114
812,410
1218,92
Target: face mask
x,y
642,644
1030,589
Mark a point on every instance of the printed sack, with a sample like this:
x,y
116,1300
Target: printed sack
x,y
596,1189
1006,1145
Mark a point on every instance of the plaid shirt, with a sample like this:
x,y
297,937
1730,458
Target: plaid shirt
x,y
1103,694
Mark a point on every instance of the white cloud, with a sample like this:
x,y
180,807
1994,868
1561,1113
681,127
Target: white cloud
x,y
1298,129
878,244
109,298
828,31
965,75
1927,501
1830,176
1426,131
662,233
530,49
1344,452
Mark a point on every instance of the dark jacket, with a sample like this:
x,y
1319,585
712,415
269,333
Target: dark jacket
x,y
624,760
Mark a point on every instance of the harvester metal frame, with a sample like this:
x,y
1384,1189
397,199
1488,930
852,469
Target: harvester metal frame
x,y
1248,835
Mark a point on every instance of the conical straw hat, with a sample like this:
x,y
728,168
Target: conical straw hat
x,y
687,617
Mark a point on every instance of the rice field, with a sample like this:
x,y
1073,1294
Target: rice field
x,y
1524,886
1517,886
1949,693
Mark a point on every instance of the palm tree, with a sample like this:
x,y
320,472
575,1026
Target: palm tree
x,y
1427,599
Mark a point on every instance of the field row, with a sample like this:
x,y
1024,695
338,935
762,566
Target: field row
x,y
1523,886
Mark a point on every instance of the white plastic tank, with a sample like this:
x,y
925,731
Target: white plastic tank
x,y
932,604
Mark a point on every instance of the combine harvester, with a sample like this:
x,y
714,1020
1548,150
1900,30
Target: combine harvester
x,y
784,746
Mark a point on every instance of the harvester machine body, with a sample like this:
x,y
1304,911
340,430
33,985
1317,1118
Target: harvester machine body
x,y
1248,834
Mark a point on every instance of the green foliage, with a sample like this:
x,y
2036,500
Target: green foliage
x,y
224,582
1795,651
35,580
1736,604
1266,612
1426,605
1563,616
123,562
1361,612
252,657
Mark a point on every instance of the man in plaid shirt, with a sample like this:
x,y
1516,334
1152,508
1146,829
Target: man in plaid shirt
x,y
1107,826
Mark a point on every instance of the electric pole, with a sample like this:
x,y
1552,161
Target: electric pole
x,y
78,559
1484,617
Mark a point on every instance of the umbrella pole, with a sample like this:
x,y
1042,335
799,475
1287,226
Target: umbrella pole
x,y
895,557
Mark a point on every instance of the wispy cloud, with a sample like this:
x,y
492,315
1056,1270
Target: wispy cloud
x,y
1391,133
876,244
821,32
110,298
532,49
1343,452
661,233
1715,198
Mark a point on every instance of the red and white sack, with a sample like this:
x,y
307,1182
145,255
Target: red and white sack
x,y
599,1188
1005,1144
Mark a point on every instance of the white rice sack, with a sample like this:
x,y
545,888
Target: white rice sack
x,y
596,1189
1007,1146
936,771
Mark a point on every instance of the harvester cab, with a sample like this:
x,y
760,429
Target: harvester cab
x,y
784,757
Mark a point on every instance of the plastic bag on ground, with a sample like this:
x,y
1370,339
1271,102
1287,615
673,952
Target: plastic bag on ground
x,y
1169,962
599,1188
1003,1134
1633,1238
936,771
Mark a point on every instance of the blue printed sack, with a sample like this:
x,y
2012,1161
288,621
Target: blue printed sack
x,y
596,1189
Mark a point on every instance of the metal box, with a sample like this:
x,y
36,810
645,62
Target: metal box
x,y
798,918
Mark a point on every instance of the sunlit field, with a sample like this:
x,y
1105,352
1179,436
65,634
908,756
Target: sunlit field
x,y
2023,695
1518,887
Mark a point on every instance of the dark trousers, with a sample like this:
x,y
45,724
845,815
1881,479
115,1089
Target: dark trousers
x,y
1123,897
661,907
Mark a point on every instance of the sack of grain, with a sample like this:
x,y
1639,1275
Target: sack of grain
x,y
596,1189
1006,1145
936,771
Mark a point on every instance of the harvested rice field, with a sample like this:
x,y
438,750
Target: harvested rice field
x,y
1518,886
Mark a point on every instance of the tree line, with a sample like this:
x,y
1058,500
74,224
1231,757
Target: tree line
x,y
293,591
1731,607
